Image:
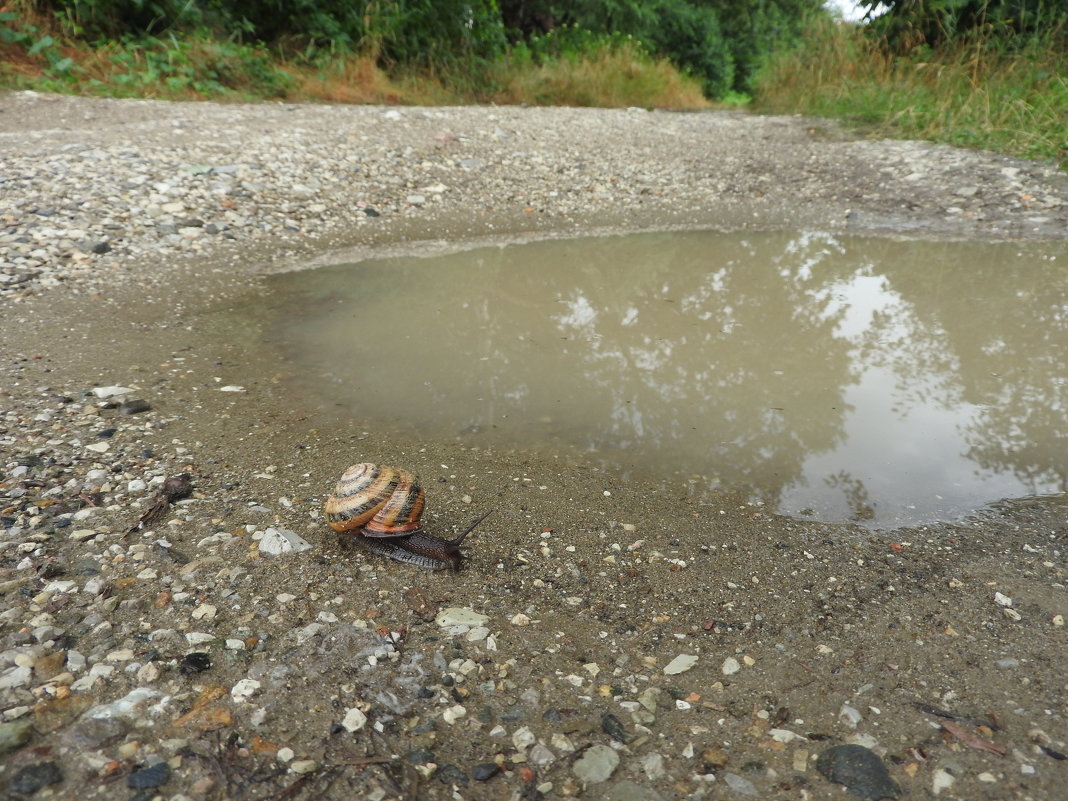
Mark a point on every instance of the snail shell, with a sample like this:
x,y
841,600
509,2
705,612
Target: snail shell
x,y
382,505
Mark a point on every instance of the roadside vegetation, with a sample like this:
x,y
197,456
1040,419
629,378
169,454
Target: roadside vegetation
x,y
980,73
990,75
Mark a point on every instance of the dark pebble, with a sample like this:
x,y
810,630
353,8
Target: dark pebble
x,y
370,212
485,771
152,776
450,774
101,247
420,756
30,779
553,715
859,769
177,488
613,727
189,222
134,406
51,570
196,662
106,433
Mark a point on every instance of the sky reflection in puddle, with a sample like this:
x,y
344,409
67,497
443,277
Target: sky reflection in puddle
x,y
840,378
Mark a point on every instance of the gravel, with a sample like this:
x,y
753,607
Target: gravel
x,y
601,641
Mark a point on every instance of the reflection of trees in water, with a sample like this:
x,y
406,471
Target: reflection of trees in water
x,y
856,494
710,354
991,332
706,353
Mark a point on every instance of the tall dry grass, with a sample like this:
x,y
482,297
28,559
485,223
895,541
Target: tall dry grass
x,y
613,77
987,94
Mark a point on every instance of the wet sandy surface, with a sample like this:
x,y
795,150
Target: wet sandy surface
x,y
807,635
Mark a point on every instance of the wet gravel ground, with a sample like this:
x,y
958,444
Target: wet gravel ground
x,y
605,639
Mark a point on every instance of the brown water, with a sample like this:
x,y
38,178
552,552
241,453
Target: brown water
x,y
844,378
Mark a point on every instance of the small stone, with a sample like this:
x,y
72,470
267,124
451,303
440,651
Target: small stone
x,y
152,776
849,716
613,727
730,666
195,662
653,766
859,769
540,755
714,758
1007,663
523,738
244,689
680,664
304,766
110,391
520,620
941,780
280,540
740,785
134,406
31,778
460,616
204,612
485,771
14,735
354,719
453,713
596,765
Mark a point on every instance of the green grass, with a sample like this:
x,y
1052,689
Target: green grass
x,y
1007,97
584,70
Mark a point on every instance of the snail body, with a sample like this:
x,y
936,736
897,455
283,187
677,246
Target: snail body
x,y
382,506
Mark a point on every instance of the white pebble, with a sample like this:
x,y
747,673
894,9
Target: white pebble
x,y
244,689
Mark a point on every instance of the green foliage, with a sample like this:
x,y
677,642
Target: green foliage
x,y
572,66
908,24
973,93
13,31
722,42
194,66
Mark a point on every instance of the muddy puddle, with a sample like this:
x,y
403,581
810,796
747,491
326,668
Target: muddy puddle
x,y
834,378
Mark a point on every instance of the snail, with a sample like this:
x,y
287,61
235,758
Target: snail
x,y
382,506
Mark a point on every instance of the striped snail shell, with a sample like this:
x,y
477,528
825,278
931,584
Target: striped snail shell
x,y
382,505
